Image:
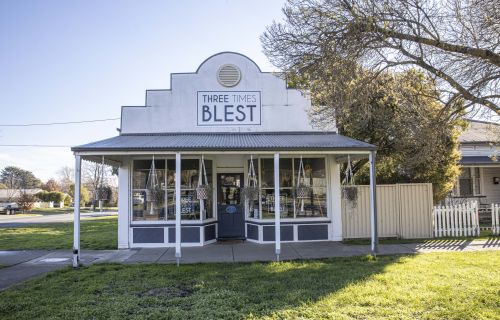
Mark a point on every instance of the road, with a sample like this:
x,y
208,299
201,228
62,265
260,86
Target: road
x,y
13,221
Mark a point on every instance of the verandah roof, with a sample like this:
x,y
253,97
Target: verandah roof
x,y
478,161
275,141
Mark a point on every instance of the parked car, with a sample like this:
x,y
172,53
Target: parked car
x,y
9,208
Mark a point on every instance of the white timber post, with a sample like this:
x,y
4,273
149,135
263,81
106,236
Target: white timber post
x,y
277,211
76,216
124,204
178,207
373,204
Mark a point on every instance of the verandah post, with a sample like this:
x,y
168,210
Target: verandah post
x,y
76,216
277,211
178,207
373,204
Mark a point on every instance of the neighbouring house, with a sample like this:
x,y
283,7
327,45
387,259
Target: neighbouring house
x,y
11,195
480,177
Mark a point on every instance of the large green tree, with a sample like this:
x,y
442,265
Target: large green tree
x,y
17,178
400,113
84,194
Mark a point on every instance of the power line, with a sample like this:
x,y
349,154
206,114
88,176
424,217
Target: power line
x,y
35,145
56,123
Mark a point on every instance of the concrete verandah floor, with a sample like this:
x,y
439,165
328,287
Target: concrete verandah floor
x,y
25,264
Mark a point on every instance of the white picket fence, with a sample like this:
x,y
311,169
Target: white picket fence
x,y
456,221
495,219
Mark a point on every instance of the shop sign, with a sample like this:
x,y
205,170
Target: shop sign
x,y
228,108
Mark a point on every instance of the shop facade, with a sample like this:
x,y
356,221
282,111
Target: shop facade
x,y
227,153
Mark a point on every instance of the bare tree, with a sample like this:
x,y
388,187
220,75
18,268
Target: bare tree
x,y
94,175
456,42
66,177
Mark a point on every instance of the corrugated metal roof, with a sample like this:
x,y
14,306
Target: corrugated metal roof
x,y
479,131
276,141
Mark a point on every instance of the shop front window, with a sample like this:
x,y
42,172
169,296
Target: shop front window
x,y
148,205
190,204
158,206
290,205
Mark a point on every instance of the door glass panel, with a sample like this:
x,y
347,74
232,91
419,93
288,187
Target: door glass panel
x,y
229,188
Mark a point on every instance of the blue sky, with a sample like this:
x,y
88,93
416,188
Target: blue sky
x,y
82,60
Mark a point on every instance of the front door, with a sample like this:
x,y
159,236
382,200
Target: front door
x,y
230,206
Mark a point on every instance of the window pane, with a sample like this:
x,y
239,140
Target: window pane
x,y
171,174
286,173
209,212
190,206
256,168
286,203
138,204
144,208
147,210
465,173
314,169
465,187
141,173
314,206
253,209
189,173
476,172
267,173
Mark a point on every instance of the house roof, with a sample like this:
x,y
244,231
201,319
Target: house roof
x,y
6,194
480,132
275,141
478,160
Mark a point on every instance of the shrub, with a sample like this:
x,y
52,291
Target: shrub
x,y
56,196
43,196
67,200
26,201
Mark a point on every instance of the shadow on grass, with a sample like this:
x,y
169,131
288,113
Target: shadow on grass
x,y
434,286
202,291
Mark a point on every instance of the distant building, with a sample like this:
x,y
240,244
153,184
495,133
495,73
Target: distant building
x,y
480,178
11,195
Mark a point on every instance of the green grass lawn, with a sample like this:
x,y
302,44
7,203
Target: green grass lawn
x,y
426,286
98,233
49,211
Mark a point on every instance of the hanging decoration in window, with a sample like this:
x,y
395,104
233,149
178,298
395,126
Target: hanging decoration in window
x,y
102,191
250,191
349,190
302,190
203,189
154,192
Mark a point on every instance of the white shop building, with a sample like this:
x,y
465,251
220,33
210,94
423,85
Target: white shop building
x,y
221,155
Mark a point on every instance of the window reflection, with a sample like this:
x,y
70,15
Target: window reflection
x,y
291,207
163,207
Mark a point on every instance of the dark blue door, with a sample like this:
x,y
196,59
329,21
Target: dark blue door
x,y
230,210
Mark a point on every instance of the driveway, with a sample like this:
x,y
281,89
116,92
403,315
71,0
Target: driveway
x,y
13,221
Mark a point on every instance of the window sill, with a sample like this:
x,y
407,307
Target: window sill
x,y
311,219
171,222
